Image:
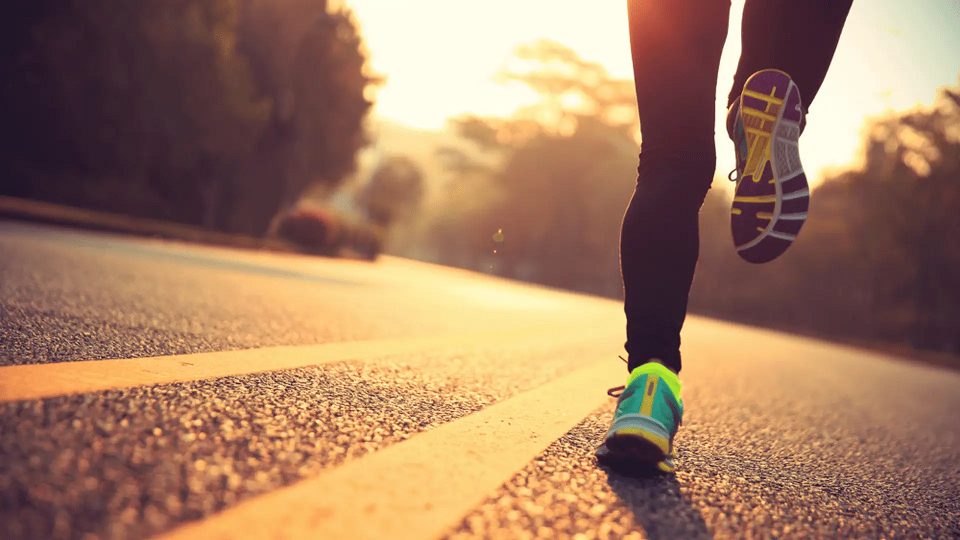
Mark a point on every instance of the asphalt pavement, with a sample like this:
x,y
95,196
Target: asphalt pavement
x,y
782,436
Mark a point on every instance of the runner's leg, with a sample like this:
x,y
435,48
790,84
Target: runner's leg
x,y
676,46
797,37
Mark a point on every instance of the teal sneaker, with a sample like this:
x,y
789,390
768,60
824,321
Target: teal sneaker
x,y
649,412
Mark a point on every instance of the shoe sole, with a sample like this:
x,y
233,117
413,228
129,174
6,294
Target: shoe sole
x,y
638,439
772,196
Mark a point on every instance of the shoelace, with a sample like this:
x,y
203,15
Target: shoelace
x,y
617,390
733,176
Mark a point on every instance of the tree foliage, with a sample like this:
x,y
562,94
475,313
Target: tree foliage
x,y
309,64
908,194
393,192
211,112
551,211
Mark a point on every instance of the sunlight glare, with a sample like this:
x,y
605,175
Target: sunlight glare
x,y
440,59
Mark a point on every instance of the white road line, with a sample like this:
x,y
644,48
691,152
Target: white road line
x,y
421,487
36,381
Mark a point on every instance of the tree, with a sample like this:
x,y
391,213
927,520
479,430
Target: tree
x,y
552,207
131,102
309,63
394,191
909,192
209,112
23,91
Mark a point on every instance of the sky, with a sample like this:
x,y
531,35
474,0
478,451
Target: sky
x,y
439,57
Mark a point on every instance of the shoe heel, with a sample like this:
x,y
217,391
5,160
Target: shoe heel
x,y
638,438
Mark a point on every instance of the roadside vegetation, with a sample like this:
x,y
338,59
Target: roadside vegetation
x,y
216,113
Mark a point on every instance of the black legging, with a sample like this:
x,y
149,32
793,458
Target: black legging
x,y
676,47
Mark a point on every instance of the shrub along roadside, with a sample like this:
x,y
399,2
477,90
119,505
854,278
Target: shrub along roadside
x,y
355,241
322,231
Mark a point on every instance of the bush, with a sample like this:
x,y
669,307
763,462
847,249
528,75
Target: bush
x,y
311,228
367,241
324,232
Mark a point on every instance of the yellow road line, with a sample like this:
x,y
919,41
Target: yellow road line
x,y
420,488
36,381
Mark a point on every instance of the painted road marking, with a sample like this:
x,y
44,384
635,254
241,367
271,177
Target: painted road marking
x,y
419,488
36,381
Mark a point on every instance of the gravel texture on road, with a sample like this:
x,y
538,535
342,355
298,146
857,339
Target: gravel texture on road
x,y
68,297
780,449
564,494
782,437
715,494
64,304
31,337
128,464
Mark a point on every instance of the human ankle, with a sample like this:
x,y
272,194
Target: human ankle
x,y
655,366
662,363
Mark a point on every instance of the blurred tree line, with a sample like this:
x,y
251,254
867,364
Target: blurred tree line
x,y
217,113
878,260
879,257
543,202
393,192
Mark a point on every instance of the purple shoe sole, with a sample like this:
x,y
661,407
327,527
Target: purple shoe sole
x,y
772,196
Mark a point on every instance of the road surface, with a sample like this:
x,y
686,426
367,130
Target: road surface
x,y
161,390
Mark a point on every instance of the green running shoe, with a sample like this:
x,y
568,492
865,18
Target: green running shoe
x,y
649,412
